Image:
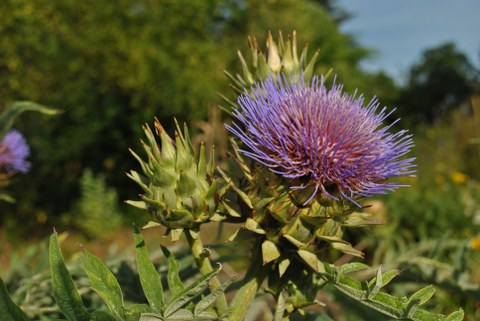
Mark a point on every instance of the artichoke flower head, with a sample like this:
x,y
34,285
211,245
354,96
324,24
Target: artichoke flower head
x,y
308,155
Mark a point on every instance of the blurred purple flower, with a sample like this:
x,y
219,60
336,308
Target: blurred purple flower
x,y
323,139
13,151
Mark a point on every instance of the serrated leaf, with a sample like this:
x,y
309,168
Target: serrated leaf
x,y
207,301
423,295
64,290
104,283
9,310
175,284
149,277
186,296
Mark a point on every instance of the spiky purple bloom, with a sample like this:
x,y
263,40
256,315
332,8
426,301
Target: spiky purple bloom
x,y
322,138
13,152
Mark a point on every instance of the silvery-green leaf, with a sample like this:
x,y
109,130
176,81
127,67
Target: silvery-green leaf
x,y
64,290
9,311
149,277
181,315
151,317
456,316
103,316
378,283
175,284
423,295
352,267
187,295
104,283
207,301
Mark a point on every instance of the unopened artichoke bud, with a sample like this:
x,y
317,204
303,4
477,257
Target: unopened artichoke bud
x,y
278,57
179,189
316,153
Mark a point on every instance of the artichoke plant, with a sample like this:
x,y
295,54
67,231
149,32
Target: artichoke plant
x,y
180,190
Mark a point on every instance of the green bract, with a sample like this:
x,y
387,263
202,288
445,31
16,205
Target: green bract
x,y
289,230
180,191
280,57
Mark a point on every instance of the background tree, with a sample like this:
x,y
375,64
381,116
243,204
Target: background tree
x,y
114,65
443,79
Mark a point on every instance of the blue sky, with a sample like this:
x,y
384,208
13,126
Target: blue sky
x,y
401,29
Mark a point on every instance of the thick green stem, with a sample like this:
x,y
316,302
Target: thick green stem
x,y
205,267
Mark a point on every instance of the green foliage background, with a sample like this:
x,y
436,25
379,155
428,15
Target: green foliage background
x,y
113,65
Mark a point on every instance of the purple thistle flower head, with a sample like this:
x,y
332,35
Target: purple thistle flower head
x,y
321,139
13,152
